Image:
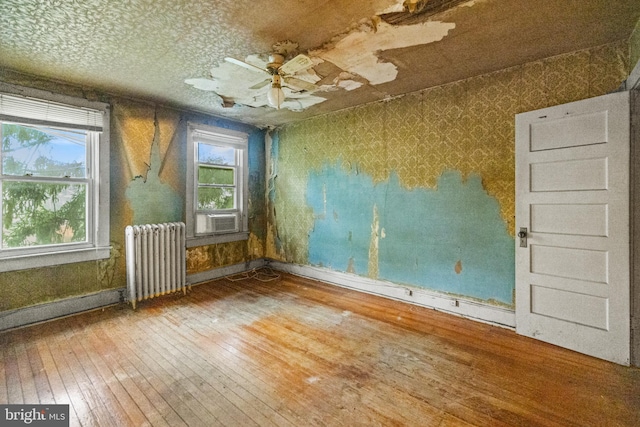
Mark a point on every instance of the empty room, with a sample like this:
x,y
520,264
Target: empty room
x,y
319,213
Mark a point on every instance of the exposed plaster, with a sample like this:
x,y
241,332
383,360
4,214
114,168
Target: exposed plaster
x,y
458,267
344,81
107,267
355,52
374,245
397,7
358,51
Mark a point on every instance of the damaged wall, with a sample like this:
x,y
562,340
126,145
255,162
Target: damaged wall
x,y
420,190
148,179
634,46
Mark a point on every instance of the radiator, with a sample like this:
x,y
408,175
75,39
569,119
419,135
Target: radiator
x,y
155,256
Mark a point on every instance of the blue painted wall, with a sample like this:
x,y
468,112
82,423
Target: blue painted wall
x,y
450,239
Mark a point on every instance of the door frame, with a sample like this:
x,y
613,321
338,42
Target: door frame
x,y
634,221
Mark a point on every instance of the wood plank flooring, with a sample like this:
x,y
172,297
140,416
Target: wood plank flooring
x,y
296,352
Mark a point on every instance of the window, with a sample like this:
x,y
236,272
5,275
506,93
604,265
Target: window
x,y
217,181
54,172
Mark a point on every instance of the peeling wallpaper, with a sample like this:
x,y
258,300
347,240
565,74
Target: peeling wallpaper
x,y
464,128
467,127
148,179
634,47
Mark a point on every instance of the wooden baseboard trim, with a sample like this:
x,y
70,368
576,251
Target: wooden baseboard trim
x,y
474,310
38,313
467,308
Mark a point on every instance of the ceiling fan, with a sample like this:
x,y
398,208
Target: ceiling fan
x,y
281,74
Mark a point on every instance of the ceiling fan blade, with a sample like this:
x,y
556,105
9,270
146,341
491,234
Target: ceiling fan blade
x,y
261,84
300,84
299,63
202,84
245,65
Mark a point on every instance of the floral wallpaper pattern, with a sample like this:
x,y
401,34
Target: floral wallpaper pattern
x,y
467,126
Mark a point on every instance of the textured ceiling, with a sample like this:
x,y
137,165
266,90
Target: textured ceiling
x,y
363,50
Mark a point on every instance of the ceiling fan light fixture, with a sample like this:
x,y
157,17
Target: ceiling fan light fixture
x,y
275,96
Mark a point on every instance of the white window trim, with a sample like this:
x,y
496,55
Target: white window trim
x,y
99,247
242,141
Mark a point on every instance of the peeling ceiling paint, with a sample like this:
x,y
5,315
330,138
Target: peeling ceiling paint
x,y
147,49
398,6
346,81
357,52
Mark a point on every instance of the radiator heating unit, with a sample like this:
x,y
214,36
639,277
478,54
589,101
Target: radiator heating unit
x,y
155,256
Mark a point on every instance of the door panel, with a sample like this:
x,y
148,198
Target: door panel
x,y
587,309
585,220
572,196
570,263
569,175
575,131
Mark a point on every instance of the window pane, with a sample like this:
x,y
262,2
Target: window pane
x,y
213,175
208,153
216,198
40,151
42,214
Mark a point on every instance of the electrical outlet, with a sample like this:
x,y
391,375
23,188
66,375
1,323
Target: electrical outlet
x,y
454,303
408,292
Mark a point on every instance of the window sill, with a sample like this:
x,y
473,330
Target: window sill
x,y
37,260
217,238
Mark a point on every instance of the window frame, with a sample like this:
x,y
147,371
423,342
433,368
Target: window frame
x,y
97,244
196,133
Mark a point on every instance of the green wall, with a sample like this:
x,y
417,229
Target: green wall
x,y
148,179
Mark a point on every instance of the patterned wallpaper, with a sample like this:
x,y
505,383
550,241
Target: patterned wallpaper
x,y
467,126
634,47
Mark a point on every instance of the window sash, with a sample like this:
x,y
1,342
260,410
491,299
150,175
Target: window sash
x,y
88,182
87,144
233,169
60,219
236,192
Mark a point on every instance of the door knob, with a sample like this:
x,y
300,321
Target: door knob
x,y
523,237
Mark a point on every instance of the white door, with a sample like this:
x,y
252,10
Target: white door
x,y
572,196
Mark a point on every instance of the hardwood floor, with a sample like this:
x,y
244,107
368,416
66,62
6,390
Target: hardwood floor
x,y
296,352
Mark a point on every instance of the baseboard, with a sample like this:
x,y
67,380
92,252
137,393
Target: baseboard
x,y
20,317
26,316
475,310
467,308
206,276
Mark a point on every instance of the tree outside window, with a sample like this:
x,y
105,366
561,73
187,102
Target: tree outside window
x,y
44,185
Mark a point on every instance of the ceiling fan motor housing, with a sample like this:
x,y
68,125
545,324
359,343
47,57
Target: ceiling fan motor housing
x,y
275,62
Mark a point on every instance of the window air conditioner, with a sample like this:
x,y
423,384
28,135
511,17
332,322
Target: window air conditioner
x,y
224,223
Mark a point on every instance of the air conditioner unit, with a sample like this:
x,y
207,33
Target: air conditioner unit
x,y
223,223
